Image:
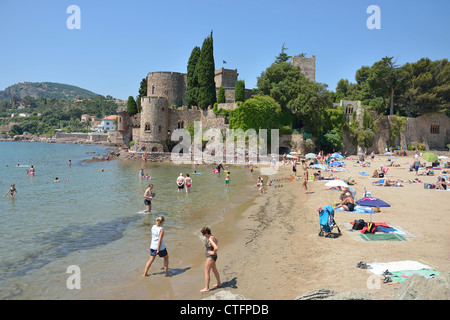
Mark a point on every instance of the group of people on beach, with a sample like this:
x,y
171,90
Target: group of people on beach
x,y
158,248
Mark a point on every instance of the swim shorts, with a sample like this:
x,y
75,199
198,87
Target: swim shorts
x,y
162,253
147,202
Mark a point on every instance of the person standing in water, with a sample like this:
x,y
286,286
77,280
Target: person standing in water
x,y
211,258
157,246
227,179
148,197
188,181
12,191
180,182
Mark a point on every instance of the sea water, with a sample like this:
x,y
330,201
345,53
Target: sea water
x,y
92,219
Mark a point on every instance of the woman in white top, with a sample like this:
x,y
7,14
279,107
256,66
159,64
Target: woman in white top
x,y
157,246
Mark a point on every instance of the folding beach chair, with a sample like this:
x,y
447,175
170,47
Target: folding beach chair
x,y
327,223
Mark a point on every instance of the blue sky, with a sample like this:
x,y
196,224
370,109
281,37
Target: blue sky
x,y
121,41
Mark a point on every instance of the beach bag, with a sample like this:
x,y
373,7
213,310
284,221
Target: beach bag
x,y
371,228
358,224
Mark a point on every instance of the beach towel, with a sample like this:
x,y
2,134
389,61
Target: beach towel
x,y
358,209
380,267
364,174
382,237
399,271
400,276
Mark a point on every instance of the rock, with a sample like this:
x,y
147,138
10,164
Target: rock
x,y
417,287
225,295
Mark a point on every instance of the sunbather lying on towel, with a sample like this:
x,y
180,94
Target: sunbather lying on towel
x,y
388,183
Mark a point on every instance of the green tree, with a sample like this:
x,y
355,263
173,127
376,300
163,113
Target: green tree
x,y
258,112
283,56
192,78
221,95
131,106
206,69
386,77
239,92
142,93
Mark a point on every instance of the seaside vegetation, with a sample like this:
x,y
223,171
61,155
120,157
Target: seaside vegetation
x,y
49,114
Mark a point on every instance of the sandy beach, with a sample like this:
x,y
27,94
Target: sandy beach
x,y
272,251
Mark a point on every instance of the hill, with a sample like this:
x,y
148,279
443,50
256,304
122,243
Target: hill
x,y
45,90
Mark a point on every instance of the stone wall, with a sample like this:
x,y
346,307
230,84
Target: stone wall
x,y
416,130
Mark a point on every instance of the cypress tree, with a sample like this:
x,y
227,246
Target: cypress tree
x,y
239,92
206,68
131,106
221,95
192,78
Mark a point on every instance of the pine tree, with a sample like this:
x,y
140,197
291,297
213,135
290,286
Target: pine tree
x,y
192,78
206,69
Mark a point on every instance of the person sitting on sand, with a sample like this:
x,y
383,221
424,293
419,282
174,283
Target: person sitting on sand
x,y
344,194
348,203
441,185
375,174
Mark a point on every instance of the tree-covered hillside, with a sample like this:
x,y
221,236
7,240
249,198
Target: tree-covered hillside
x,y
49,90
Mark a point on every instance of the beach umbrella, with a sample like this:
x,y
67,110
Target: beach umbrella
x,y
310,156
337,156
372,202
294,153
389,153
442,157
336,183
290,156
430,156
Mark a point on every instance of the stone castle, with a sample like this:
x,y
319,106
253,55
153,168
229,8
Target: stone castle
x,y
164,108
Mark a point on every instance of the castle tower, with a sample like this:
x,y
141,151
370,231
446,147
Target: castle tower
x,y
307,66
171,85
154,124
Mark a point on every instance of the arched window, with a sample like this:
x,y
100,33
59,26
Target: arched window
x,y
147,127
159,128
153,89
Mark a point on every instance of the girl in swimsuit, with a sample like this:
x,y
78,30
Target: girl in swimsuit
x,y
12,191
211,258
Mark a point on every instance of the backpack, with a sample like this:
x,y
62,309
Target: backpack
x,y
358,224
371,228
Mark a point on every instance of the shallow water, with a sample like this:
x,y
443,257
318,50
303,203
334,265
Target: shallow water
x,y
92,219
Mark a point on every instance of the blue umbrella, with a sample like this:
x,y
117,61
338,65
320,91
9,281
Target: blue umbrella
x,y
336,163
337,156
372,202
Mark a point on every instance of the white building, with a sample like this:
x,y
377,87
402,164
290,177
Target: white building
x,y
107,123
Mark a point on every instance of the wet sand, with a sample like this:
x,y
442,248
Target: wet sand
x,y
272,251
